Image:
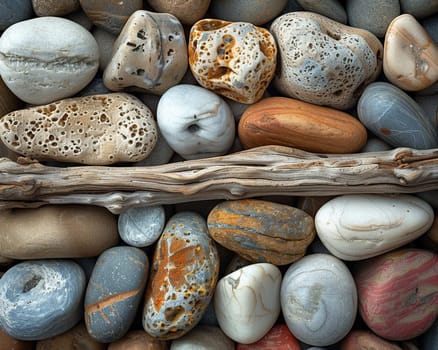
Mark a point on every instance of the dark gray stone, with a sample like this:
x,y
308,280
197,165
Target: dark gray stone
x,y
330,8
13,11
429,340
431,26
419,8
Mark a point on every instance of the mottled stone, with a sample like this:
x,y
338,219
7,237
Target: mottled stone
x,y
199,127
278,338
330,8
57,63
187,11
236,60
360,226
247,302
110,15
322,61
395,117
138,340
105,42
203,338
410,55
262,231
150,54
56,231
364,339
40,299
13,11
9,343
309,307
95,130
184,273
114,292
419,8
398,293
141,227
55,7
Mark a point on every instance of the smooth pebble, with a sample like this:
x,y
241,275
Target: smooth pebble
x,y
187,11
330,8
279,337
203,338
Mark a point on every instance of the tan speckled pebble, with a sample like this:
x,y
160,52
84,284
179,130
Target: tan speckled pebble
x,y
54,7
95,130
150,54
187,11
138,340
236,60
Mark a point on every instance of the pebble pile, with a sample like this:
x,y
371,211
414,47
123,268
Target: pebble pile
x,y
151,82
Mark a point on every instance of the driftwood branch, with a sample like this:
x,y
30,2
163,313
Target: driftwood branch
x,y
270,170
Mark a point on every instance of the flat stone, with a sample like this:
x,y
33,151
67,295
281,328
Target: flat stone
x,y
279,338
138,340
203,338
13,11
419,8
55,7
311,312
398,293
57,63
330,8
247,302
40,299
188,12
364,339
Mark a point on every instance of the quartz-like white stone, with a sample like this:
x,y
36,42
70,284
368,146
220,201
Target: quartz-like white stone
x,y
355,227
247,302
203,338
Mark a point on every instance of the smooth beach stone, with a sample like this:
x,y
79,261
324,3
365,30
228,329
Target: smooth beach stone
x,y
13,11
410,55
419,8
372,15
56,231
110,15
364,339
289,122
278,338
76,338
322,61
150,54
55,7
94,130
393,116
187,11
247,302
141,227
234,59
309,307
184,273
203,338
9,343
198,127
40,299
105,41
8,101
429,340
398,293
330,8
262,231
360,226
256,12
375,145
138,340
114,292
57,62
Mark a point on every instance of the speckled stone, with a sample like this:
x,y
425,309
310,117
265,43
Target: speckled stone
x,y
187,11
365,339
279,338
114,292
13,11
330,8
419,8
311,312
398,293
203,338
138,340
9,343
395,117
141,227
55,7
40,299
184,273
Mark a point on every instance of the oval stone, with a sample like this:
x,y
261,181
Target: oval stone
x,y
294,123
184,273
56,231
398,293
203,338
262,231
57,63
114,292
42,298
278,338
355,227
309,307
94,130
138,340
247,302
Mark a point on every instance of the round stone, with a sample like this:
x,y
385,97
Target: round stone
x,y
311,312
203,338
8,101
40,299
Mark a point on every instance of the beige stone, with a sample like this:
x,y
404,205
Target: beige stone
x,y
95,130
70,231
410,58
54,7
187,11
150,54
138,340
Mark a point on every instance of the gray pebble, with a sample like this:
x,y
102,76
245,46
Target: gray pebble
x,y
105,41
375,145
13,11
419,8
429,104
329,8
430,24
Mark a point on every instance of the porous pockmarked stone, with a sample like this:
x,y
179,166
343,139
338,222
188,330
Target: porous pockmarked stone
x,y
55,7
234,59
322,61
355,227
310,309
365,339
398,293
183,277
114,292
57,231
95,130
330,8
203,338
187,11
40,299
138,340
279,337
247,302
262,231
13,11
58,60
150,54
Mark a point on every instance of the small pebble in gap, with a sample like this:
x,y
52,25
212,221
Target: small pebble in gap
x,y
187,11
141,227
203,338
330,8
13,11
279,338
138,340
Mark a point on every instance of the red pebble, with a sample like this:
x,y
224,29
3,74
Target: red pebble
x,y
278,338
